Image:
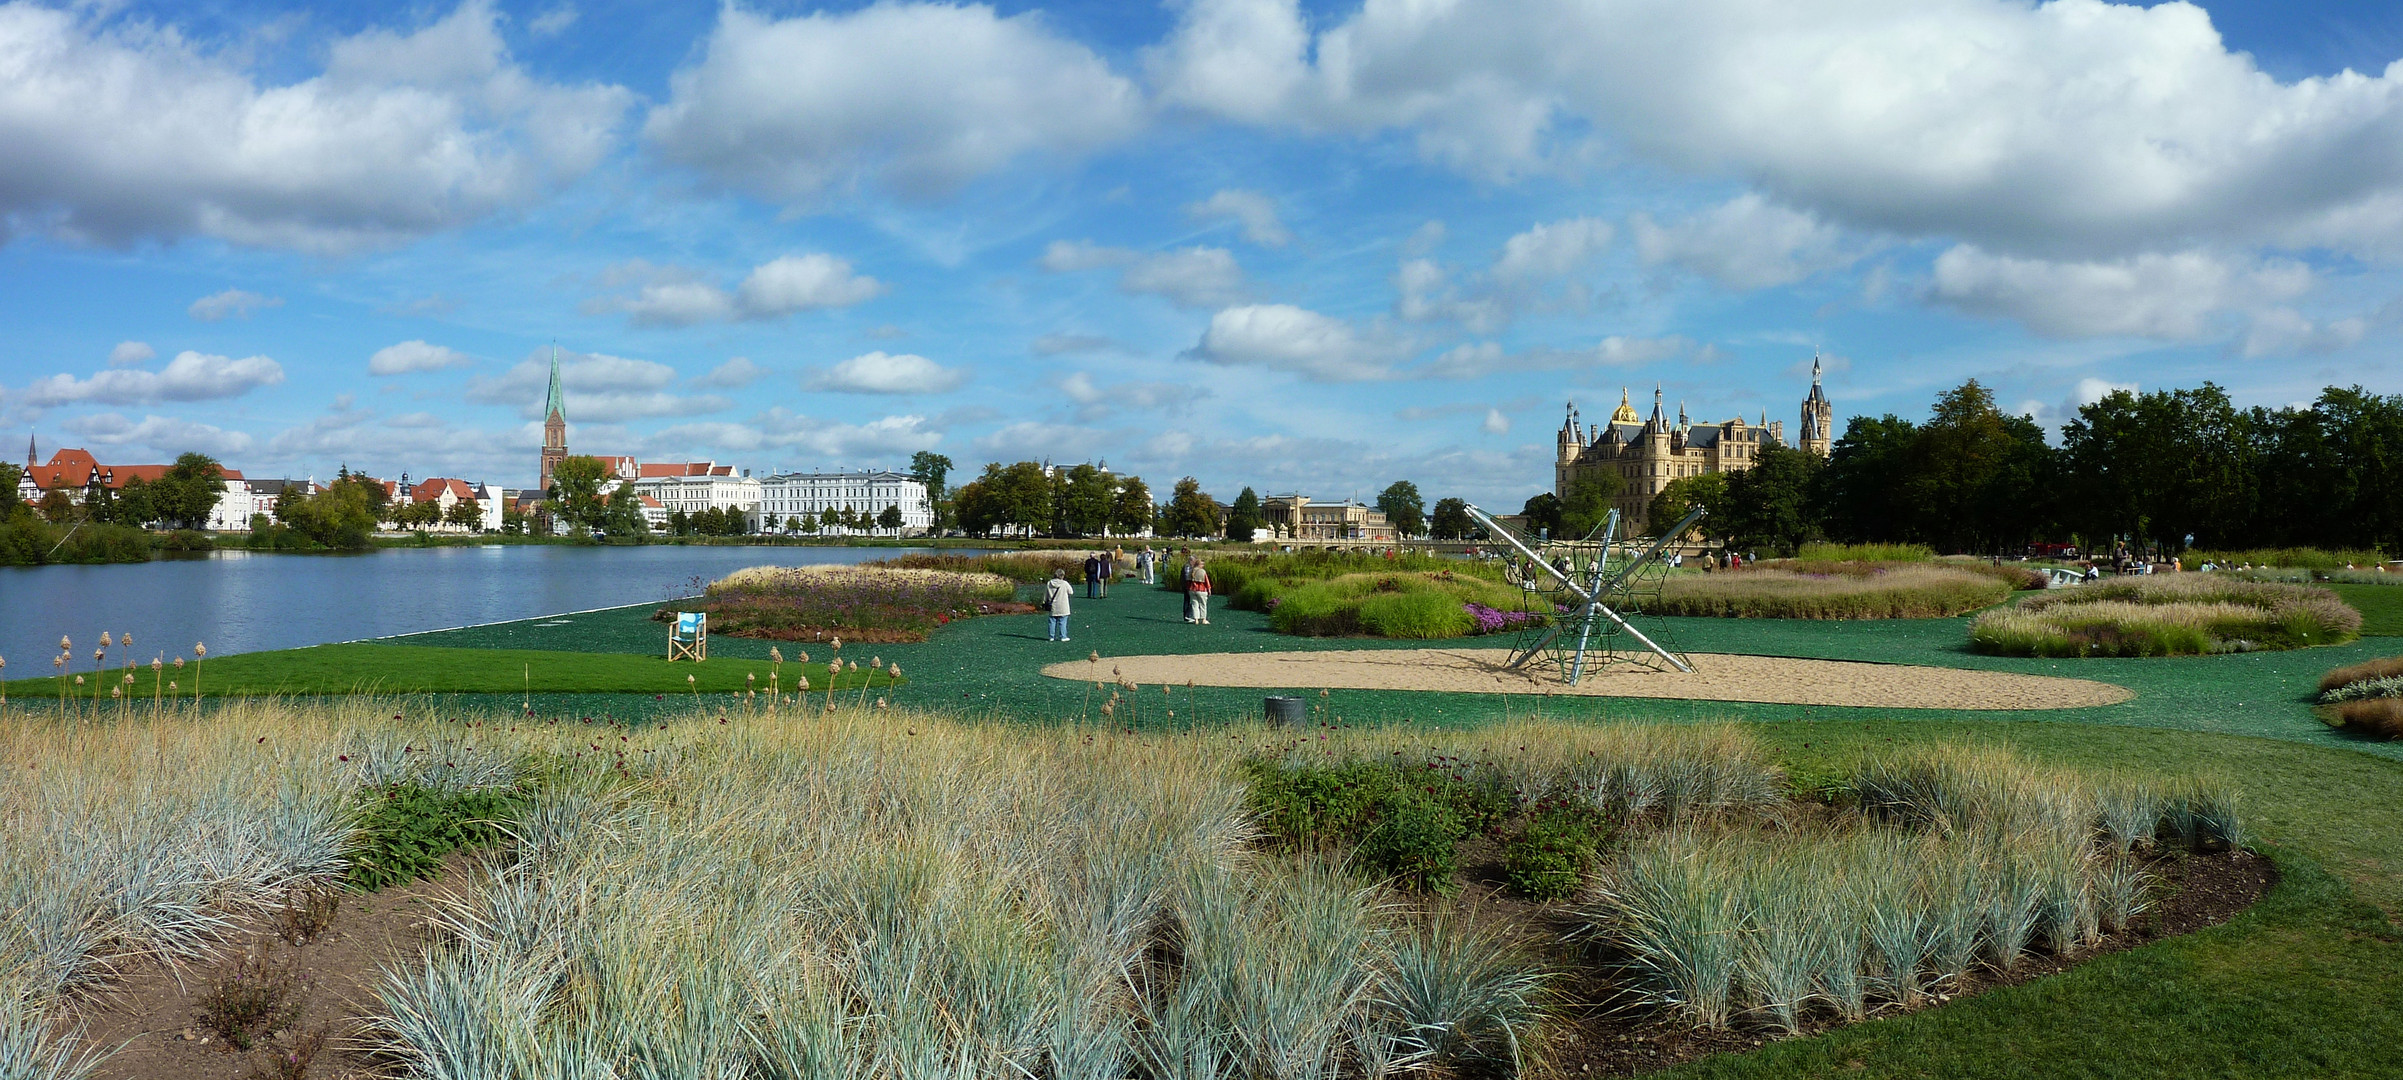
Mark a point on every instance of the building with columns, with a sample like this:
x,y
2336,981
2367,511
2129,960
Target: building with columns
x,y
1649,453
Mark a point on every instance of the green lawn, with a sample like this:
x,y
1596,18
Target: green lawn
x,y
2381,607
395,669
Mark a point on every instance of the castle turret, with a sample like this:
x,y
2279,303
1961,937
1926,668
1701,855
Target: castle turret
x,y
1569,446
1818,417
554,425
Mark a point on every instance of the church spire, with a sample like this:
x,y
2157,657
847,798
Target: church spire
x,y
30,459
557,405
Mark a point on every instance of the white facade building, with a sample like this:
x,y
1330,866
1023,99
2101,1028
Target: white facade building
x,y
710,489
807,495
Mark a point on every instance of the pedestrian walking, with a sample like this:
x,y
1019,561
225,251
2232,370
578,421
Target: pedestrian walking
x,y
1145,560
1093,577
1055,601
1109,569
1197,592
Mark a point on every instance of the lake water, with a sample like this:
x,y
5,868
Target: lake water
x,y
241,602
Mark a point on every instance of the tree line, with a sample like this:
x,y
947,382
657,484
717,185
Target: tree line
x,y
2148,469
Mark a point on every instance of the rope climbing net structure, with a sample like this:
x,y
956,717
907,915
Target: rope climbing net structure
x,y
1587,591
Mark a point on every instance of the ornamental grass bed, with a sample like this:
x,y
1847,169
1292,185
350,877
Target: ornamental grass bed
x,y
859,603
872,893
2365,698
1831,590
2167,615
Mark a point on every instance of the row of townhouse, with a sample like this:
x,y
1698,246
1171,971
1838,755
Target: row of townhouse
x,y
767,505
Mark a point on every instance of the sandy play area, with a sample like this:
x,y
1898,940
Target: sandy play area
x,y
1717,677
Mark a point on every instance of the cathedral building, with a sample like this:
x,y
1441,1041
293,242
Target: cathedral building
x,y
1649,453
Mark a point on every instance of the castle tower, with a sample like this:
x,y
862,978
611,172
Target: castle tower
x,y
554,425
1818,417
1569,444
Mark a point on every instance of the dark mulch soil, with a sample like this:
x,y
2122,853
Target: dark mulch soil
x,y
1598,1034
151,1014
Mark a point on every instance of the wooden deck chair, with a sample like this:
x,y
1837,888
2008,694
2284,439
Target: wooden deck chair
x,y
688,638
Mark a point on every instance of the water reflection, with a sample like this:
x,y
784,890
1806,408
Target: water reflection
x,y
240,602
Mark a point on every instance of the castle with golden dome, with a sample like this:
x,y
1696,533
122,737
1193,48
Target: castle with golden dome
x,y
1649,453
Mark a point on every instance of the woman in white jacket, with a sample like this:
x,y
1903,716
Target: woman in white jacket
x,y
1055,600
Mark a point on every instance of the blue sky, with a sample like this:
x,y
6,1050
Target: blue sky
x,y
1317,247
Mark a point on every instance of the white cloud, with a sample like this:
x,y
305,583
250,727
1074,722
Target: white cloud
x,y
1255,211
413,356
1480,359
2183,296
1522,278
232,302
1552,250
826,442
804,283
888,373
1496,423
1283,337
732,375
191,376
674,296
554,22
2090,390
1745,243
1096,401
119,130
600,388
131,354
164,436
1193,277
919,97
2286,332
2071,129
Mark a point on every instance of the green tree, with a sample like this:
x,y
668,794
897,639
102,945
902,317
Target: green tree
x,y
890,518
340,517
467,515
288,498
1243,515
10,503
1769,505
1706,490
1591,494
931,469
622,516
1403,507
1131,509
576,488
1863,491
1450,520
1190,513
1542,514
185,496
1083,500
1971,471
132,505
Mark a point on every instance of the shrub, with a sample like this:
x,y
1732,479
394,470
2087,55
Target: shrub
x,y
2173,615
405,829
253,1001
1549,858
1401,822
1398,604
1831,591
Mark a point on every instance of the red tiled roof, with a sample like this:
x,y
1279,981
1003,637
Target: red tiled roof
x,y
432,488
72,469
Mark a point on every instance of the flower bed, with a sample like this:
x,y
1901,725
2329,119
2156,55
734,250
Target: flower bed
x,y
2174,615
861,603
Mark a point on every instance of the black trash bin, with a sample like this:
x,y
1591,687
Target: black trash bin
x,y
1283,710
